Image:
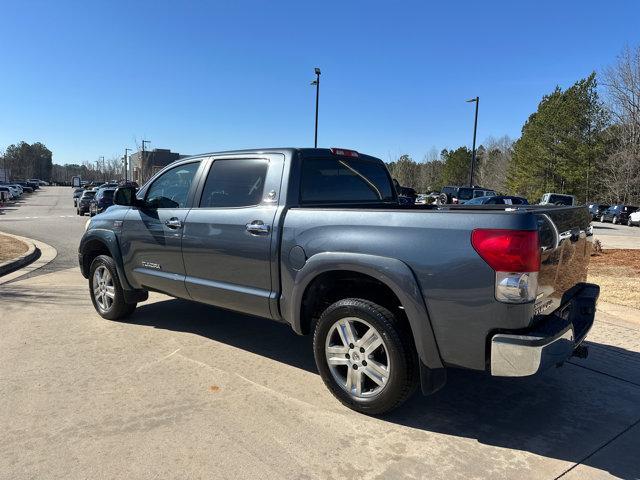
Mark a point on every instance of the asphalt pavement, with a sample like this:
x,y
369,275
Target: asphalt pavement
x,y
182,390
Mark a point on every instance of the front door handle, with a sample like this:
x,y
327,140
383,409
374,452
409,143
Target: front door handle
x,y
257,227
174,223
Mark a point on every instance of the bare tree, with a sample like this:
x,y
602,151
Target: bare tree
x,y
494,163
621,172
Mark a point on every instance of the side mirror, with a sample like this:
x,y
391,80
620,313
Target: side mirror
x,y
125,196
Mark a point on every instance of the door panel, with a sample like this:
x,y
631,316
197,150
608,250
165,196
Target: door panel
x,y
225,264
152,249
227,240
151,239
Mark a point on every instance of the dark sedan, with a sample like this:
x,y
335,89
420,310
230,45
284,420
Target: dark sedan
x,y
617,213
84,201
498,200
102,201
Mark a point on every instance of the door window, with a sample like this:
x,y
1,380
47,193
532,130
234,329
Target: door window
x,y
171,189
234,183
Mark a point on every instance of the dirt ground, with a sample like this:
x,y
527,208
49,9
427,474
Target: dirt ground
x,y
11,248
617,271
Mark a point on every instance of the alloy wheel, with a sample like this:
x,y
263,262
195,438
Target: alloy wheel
x,y
103,288
357,357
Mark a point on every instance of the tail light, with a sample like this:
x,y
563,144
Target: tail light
x,y
515,257
343,152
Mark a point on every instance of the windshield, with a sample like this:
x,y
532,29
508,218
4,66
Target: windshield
x,y
343,180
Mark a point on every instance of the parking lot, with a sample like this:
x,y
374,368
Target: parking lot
x,y
183,390
617,236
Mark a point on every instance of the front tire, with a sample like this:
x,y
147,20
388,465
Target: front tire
x,y
615,220
602,219
106,291
365,356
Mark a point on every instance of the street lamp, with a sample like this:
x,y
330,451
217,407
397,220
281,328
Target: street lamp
x,y
104,171
316,82
126,166
475,128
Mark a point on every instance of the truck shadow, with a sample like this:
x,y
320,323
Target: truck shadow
x,y
568,413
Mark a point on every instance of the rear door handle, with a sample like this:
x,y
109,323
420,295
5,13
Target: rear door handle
x,y
257,227
174,223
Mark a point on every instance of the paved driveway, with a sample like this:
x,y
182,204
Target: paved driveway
x,y
617,236
189,391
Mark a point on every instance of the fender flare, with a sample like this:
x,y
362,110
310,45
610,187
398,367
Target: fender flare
x,y
394,273
107,238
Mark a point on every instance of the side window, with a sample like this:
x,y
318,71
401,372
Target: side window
x,y
234,183
171,189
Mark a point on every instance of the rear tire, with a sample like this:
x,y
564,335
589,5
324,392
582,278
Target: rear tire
x,y
106,290
602,219
381,369
615,220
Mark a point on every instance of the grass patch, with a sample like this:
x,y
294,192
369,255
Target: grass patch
x,y
617,271
11,248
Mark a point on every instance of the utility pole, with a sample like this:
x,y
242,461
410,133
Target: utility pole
x,y
475,128
316,82
97,169
126,166
143,167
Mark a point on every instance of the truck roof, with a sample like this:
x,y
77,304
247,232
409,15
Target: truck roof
x,y
305,151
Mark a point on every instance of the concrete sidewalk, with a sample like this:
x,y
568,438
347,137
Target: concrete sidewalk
x,y
189,391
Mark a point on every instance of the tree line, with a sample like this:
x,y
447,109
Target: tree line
x,y
583,141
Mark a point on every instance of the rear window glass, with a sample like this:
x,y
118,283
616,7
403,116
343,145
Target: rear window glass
x,y
465,193
561,199
344,181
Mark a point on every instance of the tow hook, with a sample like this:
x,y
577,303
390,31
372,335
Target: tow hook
x,y
581,351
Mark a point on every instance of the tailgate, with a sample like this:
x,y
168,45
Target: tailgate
x,y
566,239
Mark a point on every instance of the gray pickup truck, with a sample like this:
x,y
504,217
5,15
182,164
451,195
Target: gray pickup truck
x,y
393,294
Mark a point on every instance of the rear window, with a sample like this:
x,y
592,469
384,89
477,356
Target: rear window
x,y
561,199
465,193
108,193
348,180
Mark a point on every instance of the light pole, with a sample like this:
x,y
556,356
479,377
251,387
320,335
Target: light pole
x,y
143,167
475,128
126,166
104,173
316,82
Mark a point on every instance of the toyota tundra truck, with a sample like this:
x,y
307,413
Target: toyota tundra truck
x,y
393,294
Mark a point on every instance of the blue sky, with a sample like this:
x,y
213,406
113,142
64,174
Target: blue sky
x,y
90,78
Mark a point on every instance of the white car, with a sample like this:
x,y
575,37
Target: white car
x,y
15,191
634,219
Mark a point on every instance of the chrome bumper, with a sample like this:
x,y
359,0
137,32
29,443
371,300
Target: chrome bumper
x,y
550,343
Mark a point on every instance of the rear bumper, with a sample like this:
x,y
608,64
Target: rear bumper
x,y
551,342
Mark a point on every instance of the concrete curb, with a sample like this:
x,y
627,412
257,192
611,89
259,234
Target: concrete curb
x,y
47,254
31,255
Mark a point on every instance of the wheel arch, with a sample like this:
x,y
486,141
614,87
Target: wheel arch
x,y
392,274
101,242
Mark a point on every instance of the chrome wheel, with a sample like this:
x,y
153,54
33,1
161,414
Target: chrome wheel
x,y
103,288
357,357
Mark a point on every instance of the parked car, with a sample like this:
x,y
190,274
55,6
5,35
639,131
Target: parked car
x,y
634,219
102,200
316,238
84,201
498,200
558,199
596,210
5,193
617,214
77,193
25,187
456,195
